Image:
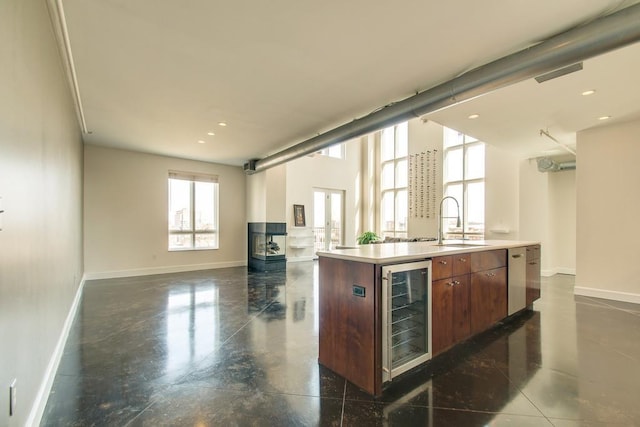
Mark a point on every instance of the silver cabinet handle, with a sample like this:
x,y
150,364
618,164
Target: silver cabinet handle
x,y
516,256
443,262
455,282
462,259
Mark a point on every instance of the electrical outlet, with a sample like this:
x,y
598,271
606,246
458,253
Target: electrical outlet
x,y
1,212
12,397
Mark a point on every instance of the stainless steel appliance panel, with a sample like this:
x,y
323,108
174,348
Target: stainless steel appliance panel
x,y
517,288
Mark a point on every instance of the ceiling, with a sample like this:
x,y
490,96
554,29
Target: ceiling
x,y
158,76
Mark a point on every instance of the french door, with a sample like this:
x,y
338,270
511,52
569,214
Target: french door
x,y
328,218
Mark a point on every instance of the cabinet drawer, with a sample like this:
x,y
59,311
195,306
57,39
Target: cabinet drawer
x,y
461,264
442,267
533,252
488,260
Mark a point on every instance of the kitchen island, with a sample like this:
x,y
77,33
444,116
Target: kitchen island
x,y
383,304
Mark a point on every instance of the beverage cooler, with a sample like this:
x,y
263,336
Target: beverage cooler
x,y
406,317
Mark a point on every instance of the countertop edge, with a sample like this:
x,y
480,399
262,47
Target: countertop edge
x,y
385,253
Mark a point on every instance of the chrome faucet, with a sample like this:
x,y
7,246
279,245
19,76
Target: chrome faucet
x,y
440,218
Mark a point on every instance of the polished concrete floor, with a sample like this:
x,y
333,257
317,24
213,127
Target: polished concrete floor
x,y
231,348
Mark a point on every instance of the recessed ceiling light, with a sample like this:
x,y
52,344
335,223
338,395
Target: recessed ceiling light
x,y
223,124
200,141
588,92
604,118
210,133
474,116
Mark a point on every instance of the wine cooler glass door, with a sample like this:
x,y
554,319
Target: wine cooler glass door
x,y
406,317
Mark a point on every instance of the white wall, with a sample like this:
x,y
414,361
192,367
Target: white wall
x,y
276,193
501,185
501,201
562,217
608,209
534,210
125,215
41,190
256,195
305,174
548,215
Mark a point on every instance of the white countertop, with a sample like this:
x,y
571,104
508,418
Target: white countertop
x,y
385,253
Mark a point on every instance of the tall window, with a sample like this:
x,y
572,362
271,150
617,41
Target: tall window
x,y
335,151
193,211
394,205
464,180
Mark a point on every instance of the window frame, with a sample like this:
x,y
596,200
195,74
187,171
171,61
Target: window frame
x,y
467,143
192,179
327,151
394,190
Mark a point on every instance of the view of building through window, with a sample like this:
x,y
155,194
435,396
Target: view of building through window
x,y
463,178
193,211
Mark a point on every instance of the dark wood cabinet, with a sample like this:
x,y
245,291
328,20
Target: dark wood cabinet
x,y
469,295
533,274
441,267
488,260
461,264
488,298
350,343
450,312
488,289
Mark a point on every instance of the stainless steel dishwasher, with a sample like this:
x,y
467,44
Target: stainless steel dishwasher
x,y
517,289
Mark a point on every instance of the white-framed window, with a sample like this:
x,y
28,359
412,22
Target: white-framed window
x,y
463,179
336,151
193,211
393,180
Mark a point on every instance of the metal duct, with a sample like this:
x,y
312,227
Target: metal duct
x,y
599,36
546,164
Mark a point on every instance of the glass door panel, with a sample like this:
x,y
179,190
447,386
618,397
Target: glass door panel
x,y
328,218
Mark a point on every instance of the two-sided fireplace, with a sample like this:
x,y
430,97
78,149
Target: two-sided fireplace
x,y
267,246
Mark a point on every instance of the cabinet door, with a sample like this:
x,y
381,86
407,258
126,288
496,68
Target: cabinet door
x,y
461,308
488,298
450,312
442,314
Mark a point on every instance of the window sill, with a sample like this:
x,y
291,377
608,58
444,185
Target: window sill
x,y
191,249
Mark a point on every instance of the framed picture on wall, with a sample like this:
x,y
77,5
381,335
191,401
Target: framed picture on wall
x,y
298,216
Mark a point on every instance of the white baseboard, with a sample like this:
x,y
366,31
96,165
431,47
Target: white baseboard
x,y
40,402
162,270
607,294
557,270
549,272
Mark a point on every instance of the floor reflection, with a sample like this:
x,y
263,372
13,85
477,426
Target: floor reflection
x,y
193,325
232,347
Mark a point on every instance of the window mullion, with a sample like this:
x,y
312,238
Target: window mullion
x,y
193,214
